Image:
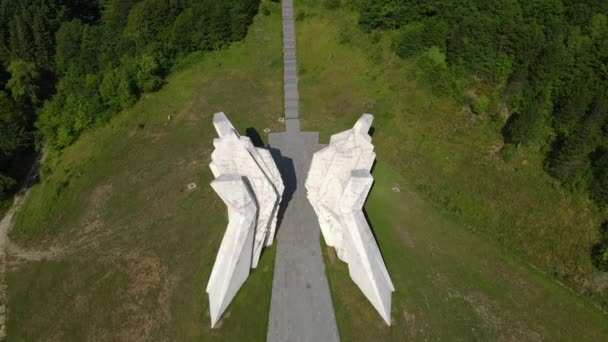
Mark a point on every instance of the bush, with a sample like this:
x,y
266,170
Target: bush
x,y
118,89
147,77
331,4
436,73
409,41
23,83
508,152
481,104
529,126
435,33
7,184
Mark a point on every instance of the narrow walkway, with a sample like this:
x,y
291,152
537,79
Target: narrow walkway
x,y
301,308
290,75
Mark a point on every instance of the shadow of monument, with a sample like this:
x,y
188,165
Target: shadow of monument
x,y
369,222
255,137
288,174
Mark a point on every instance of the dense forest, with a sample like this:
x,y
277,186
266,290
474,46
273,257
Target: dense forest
x,y
545,61
68,64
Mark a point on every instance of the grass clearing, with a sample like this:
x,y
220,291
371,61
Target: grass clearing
x,y
456,248
451,284
137,245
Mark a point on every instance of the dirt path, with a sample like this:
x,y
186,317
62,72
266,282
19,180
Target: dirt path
x,y
22,254
6,224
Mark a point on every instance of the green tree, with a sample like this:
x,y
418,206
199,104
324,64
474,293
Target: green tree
x,y
149,19
7,184
118,89
435,33
13,127
73,109
23,82
148,76
571,163
529,125
410,40
68,38
32,30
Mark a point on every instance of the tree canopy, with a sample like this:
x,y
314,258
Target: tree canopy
x,y
546,59
66,64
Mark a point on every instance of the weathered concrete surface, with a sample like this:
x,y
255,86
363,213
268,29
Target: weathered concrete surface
x,y
290,76
301,308
248,181
338,183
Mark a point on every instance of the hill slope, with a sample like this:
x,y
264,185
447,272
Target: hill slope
x,y
134,248
455,237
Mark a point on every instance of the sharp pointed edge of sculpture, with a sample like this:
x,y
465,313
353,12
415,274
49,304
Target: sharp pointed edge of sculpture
x,y
249,183
338,183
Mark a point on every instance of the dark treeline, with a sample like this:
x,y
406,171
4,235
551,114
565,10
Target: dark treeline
x,y
66,64
547,60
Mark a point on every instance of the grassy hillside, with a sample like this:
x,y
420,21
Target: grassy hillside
x,y
128,249
451,284
132,247
455,248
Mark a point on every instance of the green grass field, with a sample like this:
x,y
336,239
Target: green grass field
x,y
451,284
134,248
466,234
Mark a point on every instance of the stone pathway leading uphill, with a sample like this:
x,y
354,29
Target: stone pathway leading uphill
x,y
301,308
290,76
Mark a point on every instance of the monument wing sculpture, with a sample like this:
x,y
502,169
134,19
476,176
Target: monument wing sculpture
x,y
249,183
338,183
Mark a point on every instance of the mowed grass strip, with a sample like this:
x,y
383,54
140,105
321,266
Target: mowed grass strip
x,y
135,246
461,237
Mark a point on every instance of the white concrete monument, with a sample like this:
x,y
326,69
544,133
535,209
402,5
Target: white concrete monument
x,y
249,183
338,183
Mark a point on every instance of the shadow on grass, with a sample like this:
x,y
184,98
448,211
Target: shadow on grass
x,y
255,137
369,222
